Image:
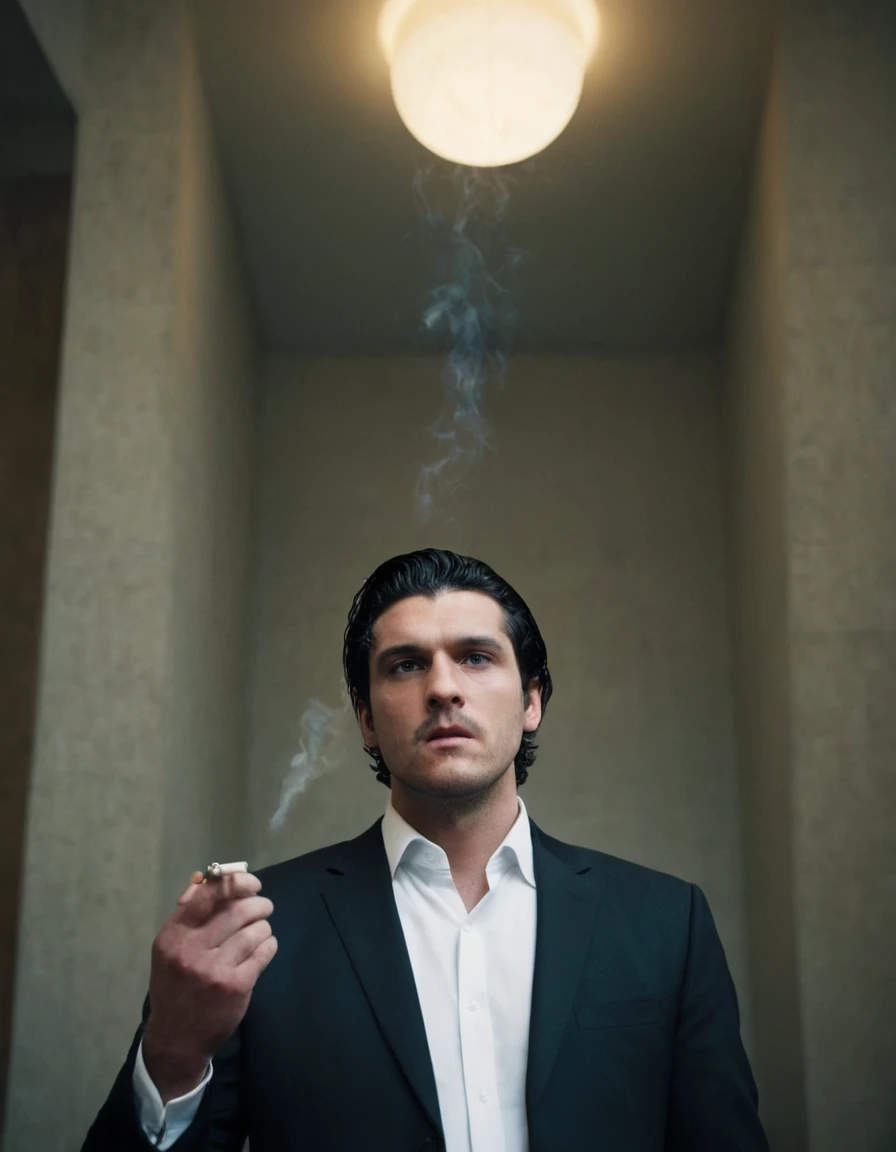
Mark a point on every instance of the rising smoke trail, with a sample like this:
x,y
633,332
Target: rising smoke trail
x,y
473,309
473,313
318,729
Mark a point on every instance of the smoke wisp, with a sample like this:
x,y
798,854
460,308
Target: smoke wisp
x,y
319,729
470,314
472,310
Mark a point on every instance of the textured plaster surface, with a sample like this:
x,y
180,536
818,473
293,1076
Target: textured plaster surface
x,y
139,741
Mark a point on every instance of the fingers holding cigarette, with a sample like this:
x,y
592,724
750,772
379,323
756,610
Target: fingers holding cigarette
x,y
216,874
206,959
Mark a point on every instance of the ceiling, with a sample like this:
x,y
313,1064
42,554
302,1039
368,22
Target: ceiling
x,y
630,220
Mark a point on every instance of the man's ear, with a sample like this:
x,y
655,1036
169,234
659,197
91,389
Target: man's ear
x,y
365,723
532,701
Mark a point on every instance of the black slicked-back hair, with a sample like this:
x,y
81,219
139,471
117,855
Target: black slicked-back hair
x,y
429,572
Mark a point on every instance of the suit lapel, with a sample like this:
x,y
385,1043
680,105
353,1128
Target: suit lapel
x,y
567,901
358,896
361,904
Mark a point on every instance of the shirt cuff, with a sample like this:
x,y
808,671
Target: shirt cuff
x,y
162,1124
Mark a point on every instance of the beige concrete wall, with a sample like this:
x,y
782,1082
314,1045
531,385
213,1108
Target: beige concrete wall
x,y
601,500
839,91
758,553
214,445
811,370
139,700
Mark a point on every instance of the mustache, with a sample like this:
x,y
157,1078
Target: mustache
x,y
425,730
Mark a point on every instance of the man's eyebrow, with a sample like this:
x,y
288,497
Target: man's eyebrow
x,y
480,642
394,650
387,654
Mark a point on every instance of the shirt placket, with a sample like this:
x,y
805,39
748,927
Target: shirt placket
x,y
478,1044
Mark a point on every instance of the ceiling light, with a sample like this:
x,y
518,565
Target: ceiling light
x,y
487,82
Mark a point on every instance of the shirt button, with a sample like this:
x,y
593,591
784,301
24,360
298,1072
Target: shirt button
x,y
472,1006
483,1095
429,857
467,928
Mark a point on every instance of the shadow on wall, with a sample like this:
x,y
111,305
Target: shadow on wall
x,y
36,154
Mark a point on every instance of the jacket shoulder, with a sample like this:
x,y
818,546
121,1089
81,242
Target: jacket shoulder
x,y
624,876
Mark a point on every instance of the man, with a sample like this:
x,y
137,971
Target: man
x,y
453,978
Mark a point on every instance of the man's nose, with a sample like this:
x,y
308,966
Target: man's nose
x,y
444,685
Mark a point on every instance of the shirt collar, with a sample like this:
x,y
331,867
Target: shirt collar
x,y
399,838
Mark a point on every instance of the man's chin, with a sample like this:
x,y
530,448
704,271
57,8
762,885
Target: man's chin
x,y
450,779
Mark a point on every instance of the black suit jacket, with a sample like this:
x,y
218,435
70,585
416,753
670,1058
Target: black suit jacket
x,y
634,1041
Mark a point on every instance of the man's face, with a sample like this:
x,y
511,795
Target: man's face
x,y
447,710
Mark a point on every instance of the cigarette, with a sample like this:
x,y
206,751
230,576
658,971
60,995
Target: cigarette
x,y
215,871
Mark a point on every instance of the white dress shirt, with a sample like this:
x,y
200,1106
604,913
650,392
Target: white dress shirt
x,y
473,973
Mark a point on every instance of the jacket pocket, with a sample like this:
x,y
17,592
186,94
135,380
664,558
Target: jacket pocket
x,y
621,1014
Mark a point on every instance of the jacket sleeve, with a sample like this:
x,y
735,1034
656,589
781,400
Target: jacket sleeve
x,y
219,1125
713,1102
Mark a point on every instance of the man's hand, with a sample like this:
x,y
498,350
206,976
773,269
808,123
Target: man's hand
x,y
205,962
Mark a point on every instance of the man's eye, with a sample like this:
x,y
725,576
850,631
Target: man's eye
x,y
477,658
405,666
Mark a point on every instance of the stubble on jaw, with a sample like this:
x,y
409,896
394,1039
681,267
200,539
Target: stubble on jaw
x,y
455,798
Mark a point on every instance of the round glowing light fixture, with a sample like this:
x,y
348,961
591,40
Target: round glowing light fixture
x,y
487,82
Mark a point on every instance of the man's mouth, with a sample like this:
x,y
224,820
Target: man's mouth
x,y
449,734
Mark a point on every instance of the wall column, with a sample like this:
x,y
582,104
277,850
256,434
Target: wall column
x,y
839,68
95,813
811,379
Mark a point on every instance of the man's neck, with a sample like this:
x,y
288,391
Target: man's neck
x,y
469,832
